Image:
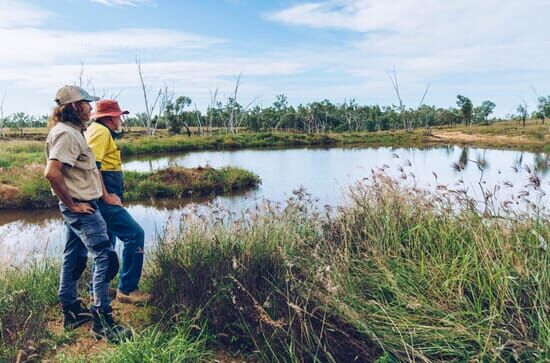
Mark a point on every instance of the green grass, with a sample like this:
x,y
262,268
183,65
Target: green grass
x,y
27,297
34,190
17,152
395,275
184,342
180,182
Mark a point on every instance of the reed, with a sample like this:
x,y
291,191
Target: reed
x,y
395,275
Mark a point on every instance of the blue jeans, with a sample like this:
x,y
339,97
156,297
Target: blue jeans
x,y
86,233
121,224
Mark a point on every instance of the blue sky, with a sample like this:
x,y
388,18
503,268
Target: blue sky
x,y
309,50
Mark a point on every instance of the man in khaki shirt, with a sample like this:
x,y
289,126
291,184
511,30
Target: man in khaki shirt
x,y
75,180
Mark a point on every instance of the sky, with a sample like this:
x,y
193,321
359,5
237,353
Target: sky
x,y
495,50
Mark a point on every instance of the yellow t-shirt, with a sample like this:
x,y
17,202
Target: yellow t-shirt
x,y
105,150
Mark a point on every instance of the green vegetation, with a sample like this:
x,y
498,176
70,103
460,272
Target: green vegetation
x,y
396,274
180,182
181,343
31,190
316,117
27,298
151,145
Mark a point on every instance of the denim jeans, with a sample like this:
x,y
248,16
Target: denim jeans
x,y
122,225
86,233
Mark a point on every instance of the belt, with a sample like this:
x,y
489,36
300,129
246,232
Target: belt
x,y
85,201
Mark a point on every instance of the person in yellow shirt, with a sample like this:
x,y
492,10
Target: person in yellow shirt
x,y
100,136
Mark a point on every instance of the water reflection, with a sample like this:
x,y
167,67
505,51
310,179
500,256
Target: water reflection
x,y
542,163
325,173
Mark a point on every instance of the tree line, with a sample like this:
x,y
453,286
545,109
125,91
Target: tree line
x,y
322,116
177,115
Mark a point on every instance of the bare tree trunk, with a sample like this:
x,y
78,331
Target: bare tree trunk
x,y
199,123
395,84
232,112
2,134
149,109
213,100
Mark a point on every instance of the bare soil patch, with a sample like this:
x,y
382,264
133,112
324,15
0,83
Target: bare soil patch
x,y
461,137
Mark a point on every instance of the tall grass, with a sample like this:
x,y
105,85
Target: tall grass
x,y
396,274
27,297
181,343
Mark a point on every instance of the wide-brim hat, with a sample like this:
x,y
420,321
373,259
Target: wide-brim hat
x,y
70,94
105,108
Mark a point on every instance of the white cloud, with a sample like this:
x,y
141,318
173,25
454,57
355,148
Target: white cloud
x,y
433,36
191,78
206,74
123,2
15,13
50,46
463,42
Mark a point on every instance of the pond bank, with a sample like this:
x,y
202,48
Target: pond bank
x,y
296,284
15,152
26,188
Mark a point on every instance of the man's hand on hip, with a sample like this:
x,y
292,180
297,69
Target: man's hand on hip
x,y
112,199
83,208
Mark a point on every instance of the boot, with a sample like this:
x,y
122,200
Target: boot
x,y
75,315
135,297
104,326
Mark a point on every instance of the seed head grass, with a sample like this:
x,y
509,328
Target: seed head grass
x,y
396,274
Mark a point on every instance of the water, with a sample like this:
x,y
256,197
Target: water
x,y
325,173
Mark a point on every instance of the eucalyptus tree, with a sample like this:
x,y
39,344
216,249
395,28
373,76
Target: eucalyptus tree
x,y
543,108
485,110
466,109
522,113
280,106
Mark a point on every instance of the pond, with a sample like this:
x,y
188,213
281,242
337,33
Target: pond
x,y
325,173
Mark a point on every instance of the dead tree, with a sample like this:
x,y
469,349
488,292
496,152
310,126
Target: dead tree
x,y
233,108
211,108
420,105
2,134
395,84
149,107
199,123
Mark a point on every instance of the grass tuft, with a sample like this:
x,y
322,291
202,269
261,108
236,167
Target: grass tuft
x,y
26,298
396,274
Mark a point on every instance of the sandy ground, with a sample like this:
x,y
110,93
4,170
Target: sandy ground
x,y
84,345
461,137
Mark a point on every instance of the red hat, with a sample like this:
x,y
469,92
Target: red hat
x,y
107,108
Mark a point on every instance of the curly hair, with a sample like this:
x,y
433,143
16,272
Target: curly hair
x,y
72,112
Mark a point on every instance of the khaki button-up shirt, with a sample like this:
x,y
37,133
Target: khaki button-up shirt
x,y
66,143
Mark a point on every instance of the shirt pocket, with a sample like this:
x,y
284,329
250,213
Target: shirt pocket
x,y
86,160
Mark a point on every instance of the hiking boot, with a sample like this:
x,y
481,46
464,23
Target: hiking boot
x,y
75,315
104,326
135,297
